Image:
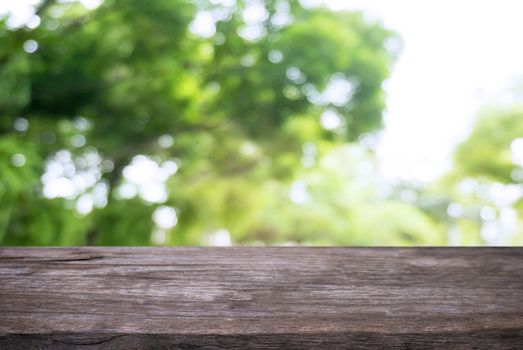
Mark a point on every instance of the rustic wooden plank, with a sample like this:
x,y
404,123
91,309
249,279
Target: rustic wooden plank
x,y
261,298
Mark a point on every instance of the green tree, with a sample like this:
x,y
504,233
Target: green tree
x,y
485,185
90,94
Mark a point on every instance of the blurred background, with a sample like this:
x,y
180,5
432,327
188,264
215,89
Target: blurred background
x,y
250,122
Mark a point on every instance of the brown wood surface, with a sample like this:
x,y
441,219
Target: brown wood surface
x,y
261,298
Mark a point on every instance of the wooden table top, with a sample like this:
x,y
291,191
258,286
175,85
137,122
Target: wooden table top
x,y
261,298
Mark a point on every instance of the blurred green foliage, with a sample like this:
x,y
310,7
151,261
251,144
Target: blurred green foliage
x,y
486,182
177,122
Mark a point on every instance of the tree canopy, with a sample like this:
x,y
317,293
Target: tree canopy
x,y
196,122
485,182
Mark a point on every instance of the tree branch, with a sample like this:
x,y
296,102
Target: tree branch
x,y
44,5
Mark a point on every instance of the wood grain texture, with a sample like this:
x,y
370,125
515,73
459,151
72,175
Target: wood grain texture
x,y
261,298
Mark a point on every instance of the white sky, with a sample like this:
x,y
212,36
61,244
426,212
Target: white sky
x,y
457,56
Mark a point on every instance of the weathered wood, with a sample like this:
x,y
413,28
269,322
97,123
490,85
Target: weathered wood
x,y
261,298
